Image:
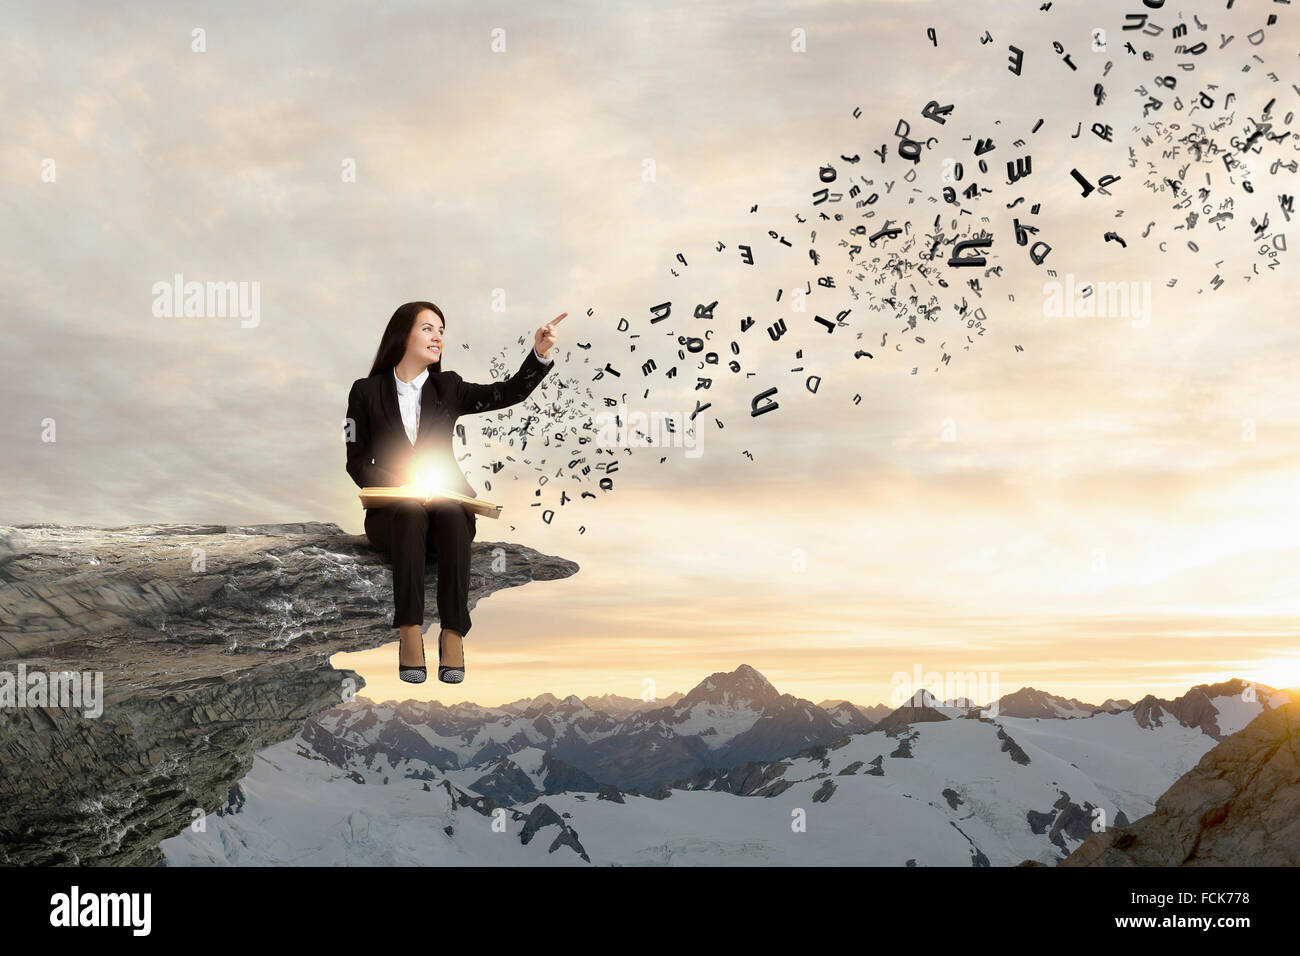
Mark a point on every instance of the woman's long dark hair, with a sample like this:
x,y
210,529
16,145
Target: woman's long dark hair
x,y
393,344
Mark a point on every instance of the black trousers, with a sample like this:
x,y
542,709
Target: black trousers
x,y
411,530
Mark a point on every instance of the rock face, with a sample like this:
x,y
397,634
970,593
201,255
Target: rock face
x,y
1240,806
213,642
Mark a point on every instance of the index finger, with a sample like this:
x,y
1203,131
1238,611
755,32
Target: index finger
x,y
557,318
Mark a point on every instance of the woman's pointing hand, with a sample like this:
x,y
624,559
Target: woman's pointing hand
x,y
545,337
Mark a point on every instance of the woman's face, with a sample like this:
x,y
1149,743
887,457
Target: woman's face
x,y
425,340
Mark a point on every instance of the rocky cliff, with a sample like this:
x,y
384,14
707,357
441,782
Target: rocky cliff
x,y
1239,806
211,643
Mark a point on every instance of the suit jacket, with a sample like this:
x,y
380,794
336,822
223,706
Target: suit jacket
x,y
382,454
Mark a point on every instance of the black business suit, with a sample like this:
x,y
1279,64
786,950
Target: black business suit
x,y
382,455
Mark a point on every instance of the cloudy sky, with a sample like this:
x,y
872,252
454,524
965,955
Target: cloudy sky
x,y
1108,513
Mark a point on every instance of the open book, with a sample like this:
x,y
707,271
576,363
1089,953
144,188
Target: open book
x,y
377,497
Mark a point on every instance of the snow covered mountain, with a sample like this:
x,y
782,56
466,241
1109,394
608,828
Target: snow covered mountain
x,y
612,704
1216,709
930,785
872,713
617,706
1028,702
726,720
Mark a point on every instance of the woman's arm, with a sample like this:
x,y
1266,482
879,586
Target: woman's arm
x,y
363,471
471,398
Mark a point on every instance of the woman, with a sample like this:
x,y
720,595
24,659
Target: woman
x,y
402,415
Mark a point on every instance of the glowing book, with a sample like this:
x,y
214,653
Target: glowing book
x,y
377,497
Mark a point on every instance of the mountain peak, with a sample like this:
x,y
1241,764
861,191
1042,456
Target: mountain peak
x,y
744,671
1031,702
922,706
744,684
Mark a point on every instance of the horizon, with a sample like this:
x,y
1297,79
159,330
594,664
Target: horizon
x,y
1291,692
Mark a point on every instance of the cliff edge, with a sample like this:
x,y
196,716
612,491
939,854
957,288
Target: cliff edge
x,y
211,643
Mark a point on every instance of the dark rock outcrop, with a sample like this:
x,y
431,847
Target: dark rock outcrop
x,y
1010,746
213,642
919,709
904,748
824,792
542,816
743,781
508,785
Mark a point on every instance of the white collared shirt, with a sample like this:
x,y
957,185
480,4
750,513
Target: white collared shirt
x,y
408,400
408,397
